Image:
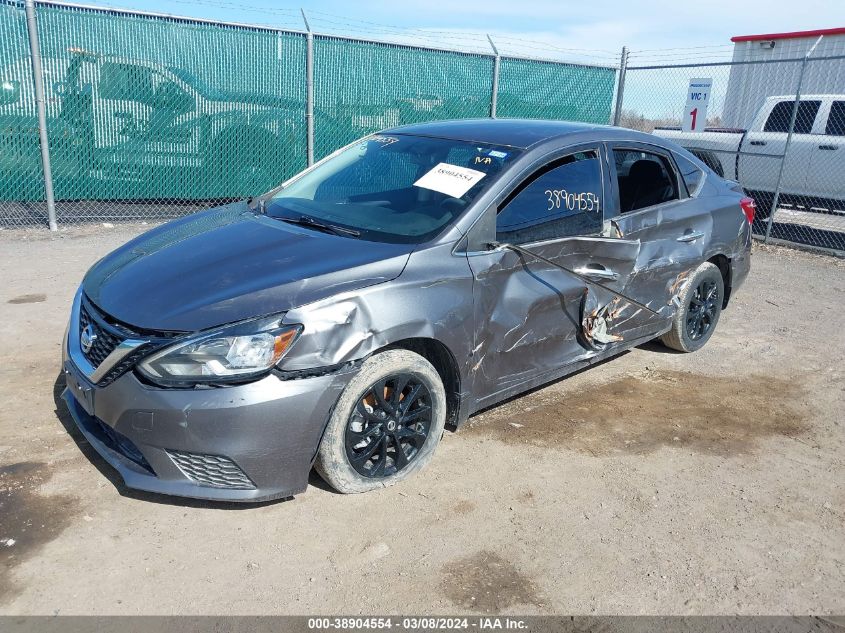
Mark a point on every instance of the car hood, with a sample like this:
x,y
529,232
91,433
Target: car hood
x,y
229,264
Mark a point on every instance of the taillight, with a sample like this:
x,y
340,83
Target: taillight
x,y
748,208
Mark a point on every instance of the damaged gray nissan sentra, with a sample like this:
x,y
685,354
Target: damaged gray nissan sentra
x,y
401,284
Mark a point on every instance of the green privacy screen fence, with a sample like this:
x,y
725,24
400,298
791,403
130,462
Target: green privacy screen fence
x,y
153,116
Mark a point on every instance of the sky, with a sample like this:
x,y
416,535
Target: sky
x,y
596,28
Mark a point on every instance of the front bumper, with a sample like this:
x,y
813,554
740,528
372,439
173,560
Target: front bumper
x,y
248,442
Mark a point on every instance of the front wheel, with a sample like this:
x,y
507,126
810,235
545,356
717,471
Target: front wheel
x,y
701,305
386,424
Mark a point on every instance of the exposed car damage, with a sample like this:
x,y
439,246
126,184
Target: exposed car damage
x,y
404,282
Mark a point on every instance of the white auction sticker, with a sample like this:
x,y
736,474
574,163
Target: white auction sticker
x,y
450,179
695,110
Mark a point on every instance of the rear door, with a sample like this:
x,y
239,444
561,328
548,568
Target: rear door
x,y
827,165
653,206
759,159
529,312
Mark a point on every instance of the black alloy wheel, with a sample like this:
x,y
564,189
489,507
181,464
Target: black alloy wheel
x,y
389,426
703,306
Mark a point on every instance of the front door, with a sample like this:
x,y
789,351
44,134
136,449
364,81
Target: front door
x,y
145,128
759,159
532,316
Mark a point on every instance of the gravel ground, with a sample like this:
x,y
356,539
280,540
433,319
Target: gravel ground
x,y
659,483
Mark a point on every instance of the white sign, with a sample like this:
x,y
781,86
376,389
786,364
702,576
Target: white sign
x,y
450,179
695,111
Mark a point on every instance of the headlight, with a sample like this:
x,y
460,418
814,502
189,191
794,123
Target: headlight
x,y
234,353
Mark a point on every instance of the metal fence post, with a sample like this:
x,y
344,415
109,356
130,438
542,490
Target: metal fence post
x,y
41,107
793,115
620,85
309,91
494,95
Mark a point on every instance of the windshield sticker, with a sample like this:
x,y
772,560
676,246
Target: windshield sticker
x,y
483,160
452,180
497,154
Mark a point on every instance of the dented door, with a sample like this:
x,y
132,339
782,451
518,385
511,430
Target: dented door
x,y
674,231
533,317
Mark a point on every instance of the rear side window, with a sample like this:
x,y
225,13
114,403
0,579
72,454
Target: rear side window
x,y
836,120
691,173
645,179
780,115
562,199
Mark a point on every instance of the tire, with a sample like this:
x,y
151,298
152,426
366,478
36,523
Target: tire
x,y
692,326
358,428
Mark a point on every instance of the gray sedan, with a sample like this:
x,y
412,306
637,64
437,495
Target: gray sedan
x,y
406,281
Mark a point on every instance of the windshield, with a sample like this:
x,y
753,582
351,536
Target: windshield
x,y
397,188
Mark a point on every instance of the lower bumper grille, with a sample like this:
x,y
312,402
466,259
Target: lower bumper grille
x,y
211,470
117,442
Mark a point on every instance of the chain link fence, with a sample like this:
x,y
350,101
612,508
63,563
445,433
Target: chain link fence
x,y
776,126
151,117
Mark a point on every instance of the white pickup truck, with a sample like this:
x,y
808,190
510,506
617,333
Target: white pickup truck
x,y
814,168
158,129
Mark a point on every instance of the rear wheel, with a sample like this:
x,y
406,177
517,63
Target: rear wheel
x,y
701,305
386,424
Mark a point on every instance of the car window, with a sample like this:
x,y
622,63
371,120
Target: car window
x,y
691,173
125,82
645,179
836,119
780,115
562,199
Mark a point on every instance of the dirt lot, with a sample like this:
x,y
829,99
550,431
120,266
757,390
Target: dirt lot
x,y
654,483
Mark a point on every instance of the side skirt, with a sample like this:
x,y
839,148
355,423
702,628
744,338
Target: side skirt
x,y
590,358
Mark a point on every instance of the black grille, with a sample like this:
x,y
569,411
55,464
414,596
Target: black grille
x,y
126,363
110,334
105,340
211,470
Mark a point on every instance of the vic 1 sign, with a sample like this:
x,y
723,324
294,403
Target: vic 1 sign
x,y
695,112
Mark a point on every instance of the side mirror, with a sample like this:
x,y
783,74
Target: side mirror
x,y
10,91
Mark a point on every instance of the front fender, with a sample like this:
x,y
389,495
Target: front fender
x,y
432,298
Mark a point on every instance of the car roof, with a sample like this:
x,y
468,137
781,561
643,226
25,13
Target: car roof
x,y
517,133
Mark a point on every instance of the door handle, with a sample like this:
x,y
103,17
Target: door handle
x,y
757,142
828,147
599,273
690,237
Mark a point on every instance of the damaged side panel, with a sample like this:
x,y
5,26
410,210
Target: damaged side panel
x,y
533,316
673,238
432,299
